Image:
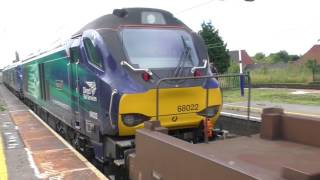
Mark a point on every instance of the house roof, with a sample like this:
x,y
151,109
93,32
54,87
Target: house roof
x,y
313,53
246,59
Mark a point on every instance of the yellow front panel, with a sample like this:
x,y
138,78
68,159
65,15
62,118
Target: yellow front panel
x,y
171,115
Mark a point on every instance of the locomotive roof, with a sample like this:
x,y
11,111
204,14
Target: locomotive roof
x,y
128,16
10,66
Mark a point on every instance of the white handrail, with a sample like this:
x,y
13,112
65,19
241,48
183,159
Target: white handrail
x,y
205,61
135,69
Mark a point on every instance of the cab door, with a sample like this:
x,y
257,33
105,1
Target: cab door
x,y
89,79
74,54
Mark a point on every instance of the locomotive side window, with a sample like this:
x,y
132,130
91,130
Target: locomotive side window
x,y
92,53
75,54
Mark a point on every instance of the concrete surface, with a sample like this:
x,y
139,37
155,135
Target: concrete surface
x,y
16,159
256,108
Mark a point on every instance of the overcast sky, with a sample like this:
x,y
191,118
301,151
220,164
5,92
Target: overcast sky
x,y
260,26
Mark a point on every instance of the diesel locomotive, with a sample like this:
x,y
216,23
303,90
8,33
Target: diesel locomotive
x,y
102,84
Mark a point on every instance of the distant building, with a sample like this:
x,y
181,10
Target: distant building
x,y
246,59
313,53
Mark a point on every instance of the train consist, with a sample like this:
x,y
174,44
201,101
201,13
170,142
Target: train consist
x,y
99,87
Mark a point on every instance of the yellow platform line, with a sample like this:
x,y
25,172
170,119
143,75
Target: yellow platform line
x,y
287,112
3,165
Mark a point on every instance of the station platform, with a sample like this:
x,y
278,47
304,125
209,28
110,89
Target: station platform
x,y
30,149
239,109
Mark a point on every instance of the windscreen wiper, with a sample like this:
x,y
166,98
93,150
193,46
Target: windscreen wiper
x,y
184,56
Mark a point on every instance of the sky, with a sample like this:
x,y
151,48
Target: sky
x,y
261,26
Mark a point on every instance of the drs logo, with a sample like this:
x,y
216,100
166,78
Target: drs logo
x,y
188,107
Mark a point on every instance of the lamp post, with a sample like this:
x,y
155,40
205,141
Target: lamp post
x,y
241,66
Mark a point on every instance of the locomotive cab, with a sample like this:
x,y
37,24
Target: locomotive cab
x,y
154,53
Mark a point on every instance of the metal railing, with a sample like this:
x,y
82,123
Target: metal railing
x,y
178,79
225,80
232,81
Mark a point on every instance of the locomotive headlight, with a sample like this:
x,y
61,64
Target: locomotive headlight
x,y
211,111
148,17
151,19
134,119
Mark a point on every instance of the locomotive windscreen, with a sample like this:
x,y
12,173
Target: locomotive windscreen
x,y
159,48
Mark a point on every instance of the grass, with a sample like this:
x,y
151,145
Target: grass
x,y
273,95
291,74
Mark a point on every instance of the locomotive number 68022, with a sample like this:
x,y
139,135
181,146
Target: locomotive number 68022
x,y
188,107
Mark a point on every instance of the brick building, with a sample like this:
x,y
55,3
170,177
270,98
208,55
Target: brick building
x,y
313,53
246,59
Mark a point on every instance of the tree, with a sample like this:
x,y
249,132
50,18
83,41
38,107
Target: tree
x,y
312,65
259,57
278,57
218,53
234,68
281,56
294,57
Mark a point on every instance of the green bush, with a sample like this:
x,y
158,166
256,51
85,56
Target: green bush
x,y
234,68
292,74
2,108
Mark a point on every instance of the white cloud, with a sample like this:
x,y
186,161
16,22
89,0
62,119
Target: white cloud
x,y
263,25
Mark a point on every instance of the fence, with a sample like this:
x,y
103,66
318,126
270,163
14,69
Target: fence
x,y
232,81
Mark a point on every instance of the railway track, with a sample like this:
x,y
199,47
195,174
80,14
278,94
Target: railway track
x,y
238,125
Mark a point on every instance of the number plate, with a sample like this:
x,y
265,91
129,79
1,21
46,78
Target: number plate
x,y
187,107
